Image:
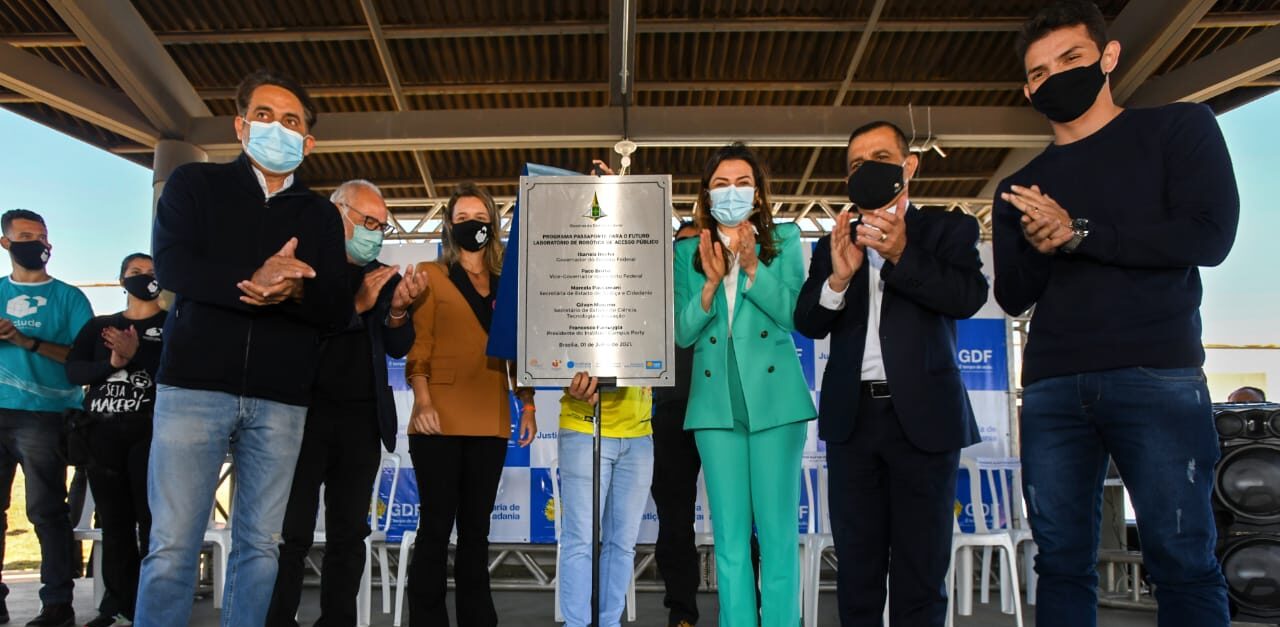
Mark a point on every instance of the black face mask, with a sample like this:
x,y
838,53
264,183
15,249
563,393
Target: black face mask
x,y
471,235
1065,96
32,255
142,286
875,184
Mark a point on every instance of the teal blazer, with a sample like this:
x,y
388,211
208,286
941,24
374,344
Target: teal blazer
x,y
772,381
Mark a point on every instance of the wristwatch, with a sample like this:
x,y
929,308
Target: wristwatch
x,y
1079,231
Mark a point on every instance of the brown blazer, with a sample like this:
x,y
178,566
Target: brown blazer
x,y
468,388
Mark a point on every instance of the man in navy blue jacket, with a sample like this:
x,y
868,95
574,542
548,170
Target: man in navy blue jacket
x,y
1103,234
888,285
257,264
352,417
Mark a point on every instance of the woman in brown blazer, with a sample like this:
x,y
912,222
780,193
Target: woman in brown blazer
x,y
461,417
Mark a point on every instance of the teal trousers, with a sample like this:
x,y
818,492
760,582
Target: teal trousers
x,y
754,478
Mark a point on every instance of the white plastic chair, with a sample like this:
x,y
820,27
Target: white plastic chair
x,y
816,541
219,535
216,533
86,532
1023,537
962,556
378,538
1011,518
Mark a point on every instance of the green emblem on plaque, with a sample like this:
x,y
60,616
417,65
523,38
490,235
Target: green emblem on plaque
x,y
595,213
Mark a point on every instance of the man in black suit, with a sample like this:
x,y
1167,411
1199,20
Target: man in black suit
x,y
352,417
888,285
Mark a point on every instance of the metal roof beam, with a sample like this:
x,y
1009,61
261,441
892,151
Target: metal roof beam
x,y
122,42
1243,19
76,95
1251,59
859,50
458,89
1148,32
406,183
650,126
393,81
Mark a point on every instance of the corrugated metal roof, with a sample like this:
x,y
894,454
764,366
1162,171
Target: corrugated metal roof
x,y
476,55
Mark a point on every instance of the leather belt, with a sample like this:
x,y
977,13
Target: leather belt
x,y
876,389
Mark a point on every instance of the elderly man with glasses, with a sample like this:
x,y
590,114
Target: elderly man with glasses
x,y
352,416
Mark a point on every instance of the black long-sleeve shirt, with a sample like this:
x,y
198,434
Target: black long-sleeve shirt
x,y
1160,195
127,391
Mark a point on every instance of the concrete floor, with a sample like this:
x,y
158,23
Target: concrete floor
x,y
534,609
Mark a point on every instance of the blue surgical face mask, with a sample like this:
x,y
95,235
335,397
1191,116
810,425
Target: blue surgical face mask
x,y
274,147
731,205
364,245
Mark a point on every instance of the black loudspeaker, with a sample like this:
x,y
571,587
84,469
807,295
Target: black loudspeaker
x,y
1246,503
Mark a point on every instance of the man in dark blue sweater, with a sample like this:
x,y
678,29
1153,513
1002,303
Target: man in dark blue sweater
x,y
258,266
1104,233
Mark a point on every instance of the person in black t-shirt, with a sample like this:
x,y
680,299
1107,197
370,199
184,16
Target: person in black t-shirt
x,y
117,356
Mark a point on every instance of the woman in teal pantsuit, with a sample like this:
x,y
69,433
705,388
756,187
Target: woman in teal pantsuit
x,y
736,288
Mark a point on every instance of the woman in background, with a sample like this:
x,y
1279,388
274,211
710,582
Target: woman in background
x,y
117,356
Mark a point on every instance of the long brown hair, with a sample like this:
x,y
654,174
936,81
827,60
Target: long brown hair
x,y
762,217
449,253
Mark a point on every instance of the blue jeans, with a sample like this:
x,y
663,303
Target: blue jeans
x,y
33,439
1157,425
626,471
193,430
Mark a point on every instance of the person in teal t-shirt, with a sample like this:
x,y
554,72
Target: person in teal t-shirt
x,y
40,318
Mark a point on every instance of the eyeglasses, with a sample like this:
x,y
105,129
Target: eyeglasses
x,y
370,222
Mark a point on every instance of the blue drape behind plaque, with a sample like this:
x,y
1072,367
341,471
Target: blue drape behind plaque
x,y
502,331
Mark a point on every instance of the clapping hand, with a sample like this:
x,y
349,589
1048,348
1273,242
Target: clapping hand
x,y
846,256
883,232
410,288
123,345
1045,224
279,278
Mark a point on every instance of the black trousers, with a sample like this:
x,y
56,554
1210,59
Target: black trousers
x,y
675,491
342,449
457,482
891,512
119,449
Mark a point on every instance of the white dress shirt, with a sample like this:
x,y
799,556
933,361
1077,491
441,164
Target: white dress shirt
x,y
730,281
262,180
872,355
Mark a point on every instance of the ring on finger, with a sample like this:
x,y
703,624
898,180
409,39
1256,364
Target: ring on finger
x,y
883,237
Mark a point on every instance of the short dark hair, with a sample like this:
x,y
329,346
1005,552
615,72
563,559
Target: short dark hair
x,y
9,216
1063,14
1259,391
261,77
903,144
124,265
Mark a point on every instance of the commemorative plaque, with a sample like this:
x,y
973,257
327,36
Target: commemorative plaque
x,y
595,280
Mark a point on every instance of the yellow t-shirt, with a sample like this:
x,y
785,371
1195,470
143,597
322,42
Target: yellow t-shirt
x,y
625,413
